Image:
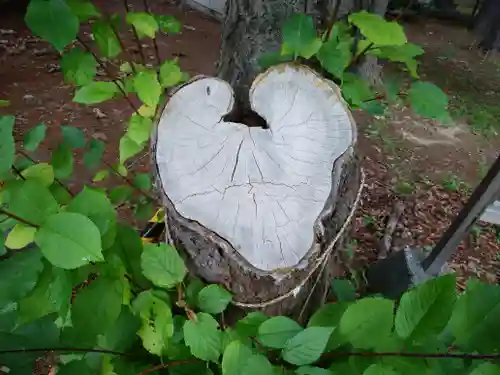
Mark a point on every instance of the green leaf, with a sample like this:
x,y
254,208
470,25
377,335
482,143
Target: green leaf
x,y
307,346
142,181
405,53
428,100
299,36
157,323
4,103
269,59
92,158
356,90
147,87
366,321
378,369
42,172
83,9
20,236
249,325
311,370
79,67
238,359
7,146
100,176
425,309
34,137
344,290
95,92
33,202
203,337
486,369
139,128
106,39
377,30
214,299
168,24
80,367
474,319
120,194
276,331
373,107
144,24
52,294
53,21
121,335
62,161
96,307
19,275
162,265
328,315
335,57
97,207
69,240
170,73
144,210
129,148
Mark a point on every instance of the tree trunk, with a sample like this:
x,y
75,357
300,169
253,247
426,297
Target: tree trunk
x,y
487,25
215,253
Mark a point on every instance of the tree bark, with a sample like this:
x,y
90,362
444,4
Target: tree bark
x,y
487,25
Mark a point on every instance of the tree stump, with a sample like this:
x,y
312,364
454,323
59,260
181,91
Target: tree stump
x,y
256,209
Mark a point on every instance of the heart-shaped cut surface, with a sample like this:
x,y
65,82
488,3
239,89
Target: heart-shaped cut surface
x,y
260,189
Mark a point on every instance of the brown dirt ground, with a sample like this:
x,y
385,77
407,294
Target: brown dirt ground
x,y
400,150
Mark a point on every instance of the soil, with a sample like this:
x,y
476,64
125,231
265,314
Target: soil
x,y
427,166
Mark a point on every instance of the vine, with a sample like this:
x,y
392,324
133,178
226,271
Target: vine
x,y
77,281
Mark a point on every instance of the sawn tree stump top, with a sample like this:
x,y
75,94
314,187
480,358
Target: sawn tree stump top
x,y
262,190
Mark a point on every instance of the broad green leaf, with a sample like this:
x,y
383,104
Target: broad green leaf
x,y
147,87
69,240
356,90
3,250
377,30
328,315
170,73
83,9
299,36
79,67
97,207
19,275
366,321
144,210
203,337
373,107
378,369
95,92
335,57
307,346
344,290
428,100
214,299
144,23
129,148
249,325
121,335
52,294
42,172
96,307
157,323
139,128
168,24
142,181
20,236
33,202
34,137
53,21
474,321
276,331
194,286
120,194
80,367
62,161
486,369
100,176
269,59
92,158
106,39
405,53
424,310
162,265
311,370
7,146
146,111
238,359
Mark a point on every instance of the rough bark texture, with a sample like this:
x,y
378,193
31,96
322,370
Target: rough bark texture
x,y
487,25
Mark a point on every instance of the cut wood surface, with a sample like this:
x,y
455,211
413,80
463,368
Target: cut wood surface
x,y
249,202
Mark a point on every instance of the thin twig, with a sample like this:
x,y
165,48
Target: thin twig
x,y
136,36
332,21
386,242
18,172
103,66
55,179
167,365
155,44
20,219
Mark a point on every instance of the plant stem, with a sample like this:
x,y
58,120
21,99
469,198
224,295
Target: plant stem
x,y
136,36
358,56
103,66
55,179
18,172
167,365
155,44
332,20
20,219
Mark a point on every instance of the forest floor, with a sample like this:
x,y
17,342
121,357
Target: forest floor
x,y
427,168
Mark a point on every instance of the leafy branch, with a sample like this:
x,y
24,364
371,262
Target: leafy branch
x,y
18,218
